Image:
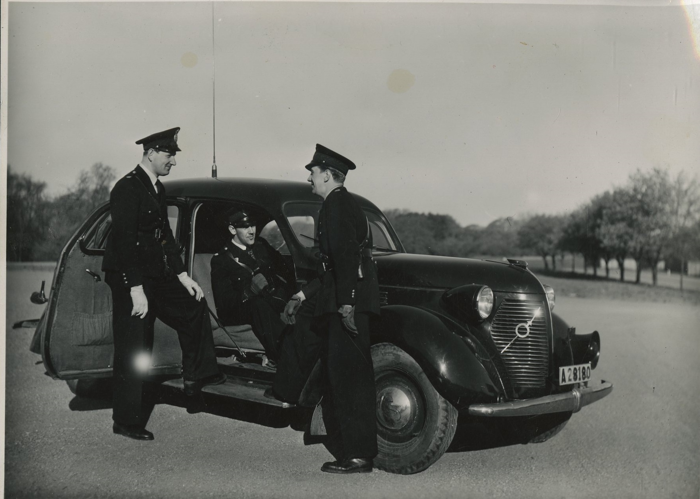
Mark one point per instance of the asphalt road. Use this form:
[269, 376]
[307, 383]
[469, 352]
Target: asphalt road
[641, 441]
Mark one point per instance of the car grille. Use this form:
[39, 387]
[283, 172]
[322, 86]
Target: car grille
[526, 359]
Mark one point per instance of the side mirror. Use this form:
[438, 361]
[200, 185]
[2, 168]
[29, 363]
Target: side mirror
[39, 297]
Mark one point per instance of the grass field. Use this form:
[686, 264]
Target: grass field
[578, 284]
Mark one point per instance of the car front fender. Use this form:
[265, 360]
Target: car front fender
[453, 363]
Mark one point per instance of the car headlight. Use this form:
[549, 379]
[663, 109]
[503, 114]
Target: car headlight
[484, 302]
[549, 291]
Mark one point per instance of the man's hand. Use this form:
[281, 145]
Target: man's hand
[348, 319]
[138, 298]
[259, 283]
[290, 310]
[191, 286]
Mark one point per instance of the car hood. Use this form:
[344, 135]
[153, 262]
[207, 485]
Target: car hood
[441, 272]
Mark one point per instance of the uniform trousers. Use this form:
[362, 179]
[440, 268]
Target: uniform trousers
[169, 301]
[349, 392]
[263, 314]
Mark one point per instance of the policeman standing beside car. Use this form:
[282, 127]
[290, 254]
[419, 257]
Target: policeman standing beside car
[347, 297]
[144, 270]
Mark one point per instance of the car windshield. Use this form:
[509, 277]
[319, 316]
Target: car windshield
[303, 217]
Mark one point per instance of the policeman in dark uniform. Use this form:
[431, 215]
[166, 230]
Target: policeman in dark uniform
[346, 297]
[148, 280]
[251, 283]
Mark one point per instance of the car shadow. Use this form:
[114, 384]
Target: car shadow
[82, 404]
[249, 412]
[157, 394]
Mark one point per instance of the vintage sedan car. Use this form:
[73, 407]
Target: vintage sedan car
[459, 340]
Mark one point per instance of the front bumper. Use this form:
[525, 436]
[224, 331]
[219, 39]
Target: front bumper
[562, 402]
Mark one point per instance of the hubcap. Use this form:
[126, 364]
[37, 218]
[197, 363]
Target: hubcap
[400, 407]
[395, 409]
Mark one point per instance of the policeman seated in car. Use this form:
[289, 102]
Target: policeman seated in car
[251, 283]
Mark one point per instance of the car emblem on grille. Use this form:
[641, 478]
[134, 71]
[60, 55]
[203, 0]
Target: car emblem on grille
[521, 326]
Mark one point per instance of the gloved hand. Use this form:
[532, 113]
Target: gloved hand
[290, 310]
[191, 286]
[258, 284]
[138, 298]
[348, 320]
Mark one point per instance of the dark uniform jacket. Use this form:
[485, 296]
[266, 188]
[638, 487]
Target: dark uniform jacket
[140, 243]
[342, 229]
[231, 279]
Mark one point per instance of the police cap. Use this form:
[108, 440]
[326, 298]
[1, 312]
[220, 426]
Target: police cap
[165, 141]
[330, 159]
[240, 220]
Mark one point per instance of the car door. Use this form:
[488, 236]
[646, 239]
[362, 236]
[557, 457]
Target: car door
[77, 339]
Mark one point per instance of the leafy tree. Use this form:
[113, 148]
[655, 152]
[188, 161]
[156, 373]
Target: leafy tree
[596, 211]
[541, 234]
[69, 210]
[26, 215]
[615, 231]
[684, 242]
[430, 234]
[652, 195]
[499, 238]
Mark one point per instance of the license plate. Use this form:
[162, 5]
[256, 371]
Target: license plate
[569, 375]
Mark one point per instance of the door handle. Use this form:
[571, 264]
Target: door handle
[94, 276]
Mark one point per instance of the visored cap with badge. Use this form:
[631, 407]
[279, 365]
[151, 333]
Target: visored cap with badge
[331, 159]
[165, 141]
[240, 219]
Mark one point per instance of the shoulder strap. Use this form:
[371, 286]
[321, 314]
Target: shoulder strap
[230, 255]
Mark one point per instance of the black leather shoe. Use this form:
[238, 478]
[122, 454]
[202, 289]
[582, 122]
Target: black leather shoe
[353, 465]
[131, 431]
[192, 387]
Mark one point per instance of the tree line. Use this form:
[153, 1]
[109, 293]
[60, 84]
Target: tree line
[39, 225]
[652, 217]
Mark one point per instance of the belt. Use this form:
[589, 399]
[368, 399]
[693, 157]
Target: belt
[156, 233]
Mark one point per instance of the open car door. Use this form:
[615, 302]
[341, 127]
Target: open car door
[76, 340]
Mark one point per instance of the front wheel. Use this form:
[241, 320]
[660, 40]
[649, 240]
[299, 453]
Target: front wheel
[415, 424]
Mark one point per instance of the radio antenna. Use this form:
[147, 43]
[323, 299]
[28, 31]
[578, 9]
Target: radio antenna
[213, 91]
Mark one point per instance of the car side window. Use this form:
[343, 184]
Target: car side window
[304, 228]
[174, 220]
[96, 238]
[271, 233]
[381, 238]
[302, 218]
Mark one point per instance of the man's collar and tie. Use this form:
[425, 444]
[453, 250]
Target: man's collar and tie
[153, 178]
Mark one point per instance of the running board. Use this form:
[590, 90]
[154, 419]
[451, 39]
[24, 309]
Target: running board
[237, 388]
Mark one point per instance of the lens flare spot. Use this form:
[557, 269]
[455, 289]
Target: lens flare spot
[692, 14]
[142, 362]
[400, 81]
[189, 60]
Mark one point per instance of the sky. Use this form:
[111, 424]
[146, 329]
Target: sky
[476, 110]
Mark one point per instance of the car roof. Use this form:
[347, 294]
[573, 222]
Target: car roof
[258, 191]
